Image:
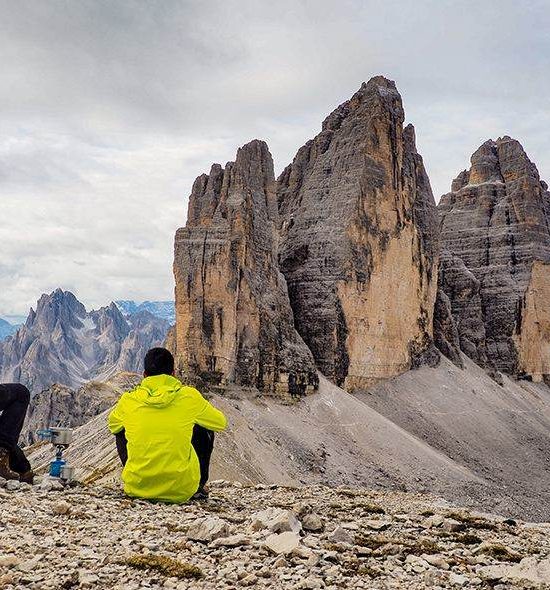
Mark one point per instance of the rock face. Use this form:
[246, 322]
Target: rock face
[359, 241]
[60, 406]
[234, 320]
[496, 220]
[62, 343]
[460, 288]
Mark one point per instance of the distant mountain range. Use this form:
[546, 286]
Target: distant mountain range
[161, 309]
[63, 343]
[6, 329]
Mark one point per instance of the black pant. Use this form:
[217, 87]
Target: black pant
[14, 401]
[202, 441]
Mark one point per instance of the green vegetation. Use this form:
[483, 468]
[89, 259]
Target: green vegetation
[467, 539]
[500, 552]
[473, 522]
[164, 565]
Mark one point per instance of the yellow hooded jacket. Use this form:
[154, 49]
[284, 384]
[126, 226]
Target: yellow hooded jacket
[158, 418]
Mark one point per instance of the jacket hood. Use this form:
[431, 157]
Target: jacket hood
[159, 390]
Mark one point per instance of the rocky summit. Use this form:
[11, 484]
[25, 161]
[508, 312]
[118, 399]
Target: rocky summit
[352, 226]
[261, 537]
[495, 223]
[358, 248]
[234, 320]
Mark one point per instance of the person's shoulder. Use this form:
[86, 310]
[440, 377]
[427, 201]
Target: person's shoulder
[129, 395]
[190, 391]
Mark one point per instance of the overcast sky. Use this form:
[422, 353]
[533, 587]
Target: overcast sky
[110, 109]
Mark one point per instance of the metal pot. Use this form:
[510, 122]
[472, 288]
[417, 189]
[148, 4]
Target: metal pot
[61, 436]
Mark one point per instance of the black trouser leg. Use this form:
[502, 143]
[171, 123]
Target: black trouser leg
[14, 401]
[122, 446]
[203, 443]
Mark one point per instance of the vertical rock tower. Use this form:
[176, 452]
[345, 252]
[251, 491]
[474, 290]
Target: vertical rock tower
[496, 220]
[359, 241]
[234, 320]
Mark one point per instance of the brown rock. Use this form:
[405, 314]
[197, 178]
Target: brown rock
[497, 221]
[359, 241]
[234, 320]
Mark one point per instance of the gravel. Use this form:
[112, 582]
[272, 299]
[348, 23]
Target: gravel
[95, 537]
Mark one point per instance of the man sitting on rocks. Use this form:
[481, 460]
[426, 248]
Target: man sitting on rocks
[14, 401]
[164, 434]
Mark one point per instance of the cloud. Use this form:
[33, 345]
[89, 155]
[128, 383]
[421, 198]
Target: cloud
[109, 109]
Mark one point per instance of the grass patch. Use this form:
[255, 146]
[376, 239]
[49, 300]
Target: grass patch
[174, 528]
[472, 522]
[500, 552]
[417, 547]
[164, 565]
[369, 507]
[422, 546]
[467, 539]
[373, 542]
[367, 570]
[355, 567]
[349, 493]
[427, 513]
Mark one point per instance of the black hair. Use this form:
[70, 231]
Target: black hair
[158, 361]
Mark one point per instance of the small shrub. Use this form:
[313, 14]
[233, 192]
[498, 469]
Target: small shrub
[164, 565]
[373, 541]
[473, 522]
[501, 553]
[368, 507]
[366, 570]
[422, 546]
[427, 513]
[467, 539]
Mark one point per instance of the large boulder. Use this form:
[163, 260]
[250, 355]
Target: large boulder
[359, 241]
[234, 322]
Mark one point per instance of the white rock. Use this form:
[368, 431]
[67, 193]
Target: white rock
[452, 525]
[458, 579]
[275, 520]
[12, 485]
[86, 579]
[530, 569]
[312, 522]
[231, 541]
[311, 583]
[436, 560]
[207, 529]
[378, 525]
[433, 521]
[282, 543]
[62, 507]
[340, 535]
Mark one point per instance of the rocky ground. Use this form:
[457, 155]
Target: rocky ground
[261, 537]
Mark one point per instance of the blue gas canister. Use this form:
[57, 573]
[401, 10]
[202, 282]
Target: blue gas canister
[55, 467]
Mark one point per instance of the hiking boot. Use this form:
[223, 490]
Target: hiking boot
[5, 470]
[27, 477]
[200, 495]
